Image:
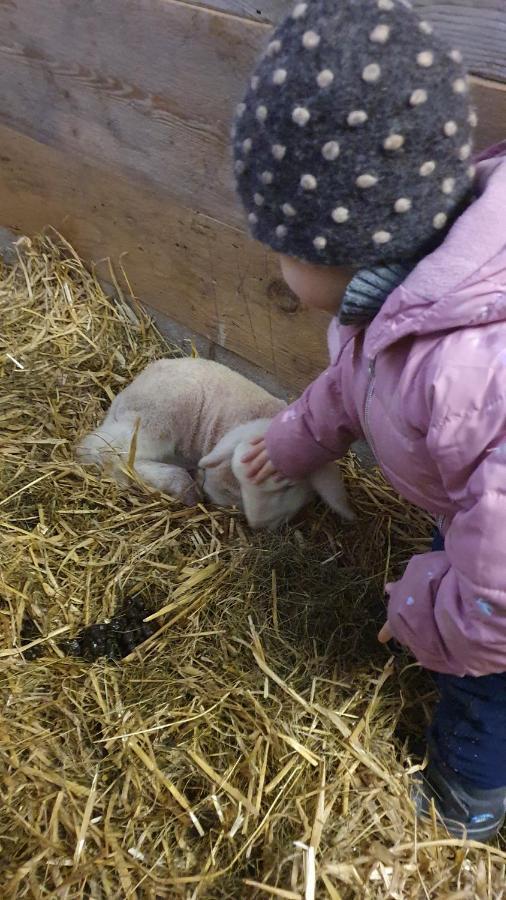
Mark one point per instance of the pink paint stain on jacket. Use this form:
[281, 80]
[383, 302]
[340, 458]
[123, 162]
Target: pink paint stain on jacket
[429, 375]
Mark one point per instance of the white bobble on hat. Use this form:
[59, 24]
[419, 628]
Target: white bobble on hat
[340, 214]
[330, 150]
[357, 117]
[308, 182]
[278, 151]
[273, 48]
[324, 78]
[418, 97]
[371, 73]
[448, 185]
[381, 237]
[380, 34]
[394, 142]
[450, 128]
[460, 86]
[425, 59]
[299, 10]
[440, 220]
[310, 40]
[366, 180]
[301, 115]
[279, 76]
[402, 205]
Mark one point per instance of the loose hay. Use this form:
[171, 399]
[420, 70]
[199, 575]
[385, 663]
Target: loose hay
[253, 746]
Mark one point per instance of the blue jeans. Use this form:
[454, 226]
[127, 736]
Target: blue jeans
[468, 730]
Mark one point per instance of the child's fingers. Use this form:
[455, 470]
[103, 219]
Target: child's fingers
[385, 634]
[265, 472]
[258, 463]
[257, 445]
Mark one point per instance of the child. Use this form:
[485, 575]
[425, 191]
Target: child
[352, 149]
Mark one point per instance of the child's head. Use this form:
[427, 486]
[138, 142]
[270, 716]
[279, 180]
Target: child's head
[353, 141]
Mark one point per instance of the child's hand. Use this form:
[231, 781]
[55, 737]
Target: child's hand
[385, 634]
[260, 468]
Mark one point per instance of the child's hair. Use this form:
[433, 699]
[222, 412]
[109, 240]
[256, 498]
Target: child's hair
[353, 143]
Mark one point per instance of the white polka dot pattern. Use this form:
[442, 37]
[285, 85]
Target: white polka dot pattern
[472, 118]
[310, 40]
[299, 11]
[448, 185]
[252, 219]
[261, 113]
[456, 55]
[330, 150]
[239, 167]
[308, 182]
[459, 86]
[425, 27]
[385, 5]
[450, 128]
[427, 168]
[394, 142]
[259, 199]
[281, 231]
[278, 151]
[371, 73]
[279, 76]
[381, 237]
[254, 82]
[320, 242]
[357, 117]
[247, 145]
[425, 59]
[273, 48]
[465, 152]
[380, 34]
[324, 78]
[240, 108]
[440, 220]
[402, 205]
[366, 180]
[266, 177]
[340, 215]
[301, 115]
[418, 97]
[288, 210]
[471, 172]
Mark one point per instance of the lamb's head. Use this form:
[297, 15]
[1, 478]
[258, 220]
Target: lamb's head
[272, 503]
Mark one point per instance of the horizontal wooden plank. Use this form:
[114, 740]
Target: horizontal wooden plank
[144, 86]
[207, 276]
[477, 27]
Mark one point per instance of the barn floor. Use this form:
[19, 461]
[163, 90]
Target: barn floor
[256, 745]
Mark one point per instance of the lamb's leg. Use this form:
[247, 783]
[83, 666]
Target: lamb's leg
[171, 480]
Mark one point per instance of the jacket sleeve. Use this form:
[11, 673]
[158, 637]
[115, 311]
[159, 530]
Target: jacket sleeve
[449, 608]
[317, 428]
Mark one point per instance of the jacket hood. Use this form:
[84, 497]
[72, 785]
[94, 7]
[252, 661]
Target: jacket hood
[463, 282]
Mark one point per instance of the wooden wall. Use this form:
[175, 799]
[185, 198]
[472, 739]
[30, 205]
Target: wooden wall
[114, 119]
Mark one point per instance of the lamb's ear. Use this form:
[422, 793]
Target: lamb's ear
[223, 450]
[328, 484]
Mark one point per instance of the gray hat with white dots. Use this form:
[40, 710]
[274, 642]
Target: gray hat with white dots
[353, 143]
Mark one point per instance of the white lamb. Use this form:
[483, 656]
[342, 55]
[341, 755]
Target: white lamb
[190, 421]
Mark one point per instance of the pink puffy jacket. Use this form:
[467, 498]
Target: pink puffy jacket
[426, 385]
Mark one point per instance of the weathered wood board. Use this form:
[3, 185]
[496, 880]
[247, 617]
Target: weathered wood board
[114, 120]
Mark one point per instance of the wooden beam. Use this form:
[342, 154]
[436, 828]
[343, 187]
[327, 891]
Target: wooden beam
[207, 276]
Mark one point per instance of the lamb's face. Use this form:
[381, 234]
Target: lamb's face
[221, 485]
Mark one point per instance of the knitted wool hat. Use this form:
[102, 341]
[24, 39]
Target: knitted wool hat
[353, 143]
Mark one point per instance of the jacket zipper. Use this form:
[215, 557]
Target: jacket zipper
[368, 400]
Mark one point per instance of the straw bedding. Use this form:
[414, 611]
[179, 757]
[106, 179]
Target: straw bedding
[258, 743]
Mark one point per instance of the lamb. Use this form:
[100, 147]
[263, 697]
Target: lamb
[189, 422]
